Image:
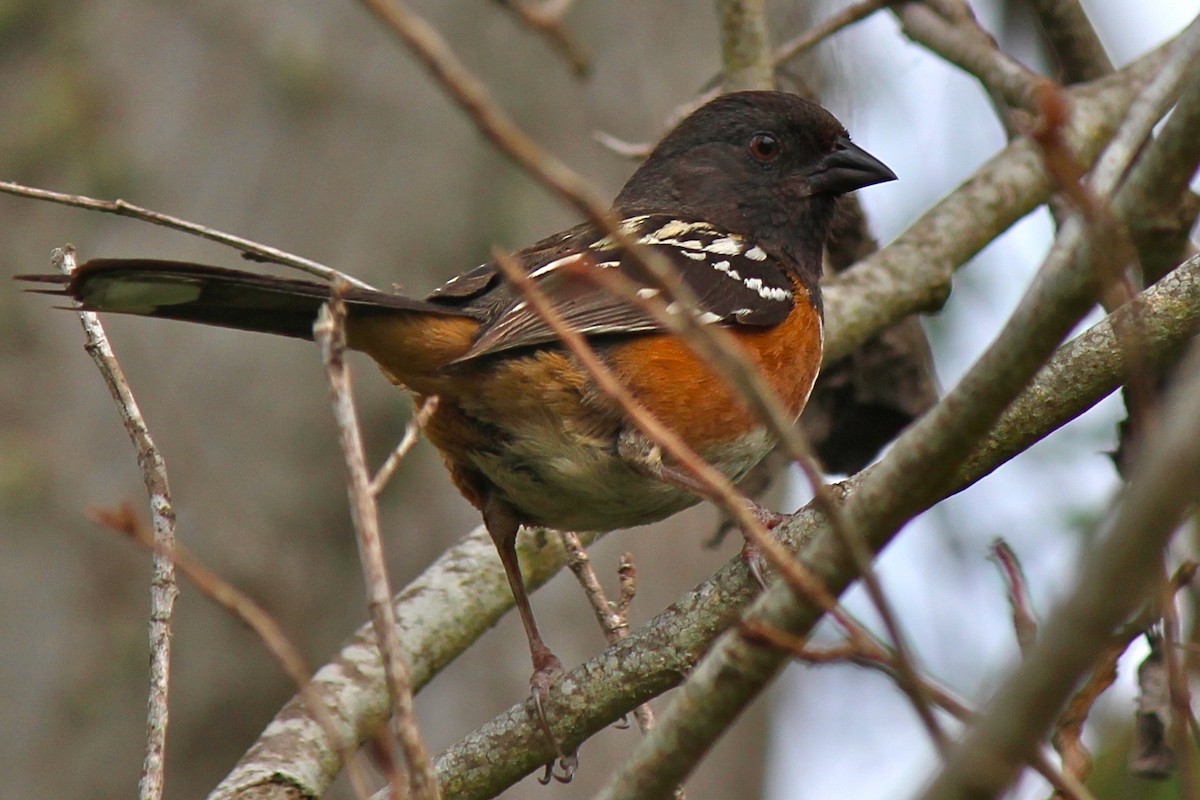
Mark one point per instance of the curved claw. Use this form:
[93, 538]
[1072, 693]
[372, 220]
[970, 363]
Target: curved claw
[568, 764]
[548, 670]
[756, 563]
[750, 553]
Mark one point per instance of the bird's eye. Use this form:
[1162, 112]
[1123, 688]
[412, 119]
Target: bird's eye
[764, 147]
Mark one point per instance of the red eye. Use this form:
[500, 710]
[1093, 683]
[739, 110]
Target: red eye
[764, 147]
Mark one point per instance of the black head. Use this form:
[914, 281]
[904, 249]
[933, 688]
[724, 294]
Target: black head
[767, 165]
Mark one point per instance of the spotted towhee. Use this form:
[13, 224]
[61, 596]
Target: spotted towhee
[738, 197]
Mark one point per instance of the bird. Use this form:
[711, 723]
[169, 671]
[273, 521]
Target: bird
[738, 198]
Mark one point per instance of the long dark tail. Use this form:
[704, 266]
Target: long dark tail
[216, 296]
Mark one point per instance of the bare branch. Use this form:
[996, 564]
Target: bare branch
[164, 588]
[1163, 485]
[242, 608]
[412, 431]
[259, 252]
[1073, 39]
[960, 40]
[657, 655]
[1024, 619]
[923, 461]
[329, 333]
[1179, 694]
[545, 17]
[613, 617]
[439, 615]
[745, 49]
[819, 33]
[913, 272]
[1169, 314]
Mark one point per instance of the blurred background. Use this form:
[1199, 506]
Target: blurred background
[305, 126]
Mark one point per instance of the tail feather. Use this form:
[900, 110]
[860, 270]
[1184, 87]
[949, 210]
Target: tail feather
[216, 296]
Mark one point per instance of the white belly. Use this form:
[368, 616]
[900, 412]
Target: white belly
[580, 485]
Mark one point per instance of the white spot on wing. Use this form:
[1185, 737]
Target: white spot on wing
[724, 266]
[673, 229]
[725, 246]
[708, 317]
[647, 293]
[756, 253]
[766, 292]
[696, 256]
[553, 265]
[628, 226]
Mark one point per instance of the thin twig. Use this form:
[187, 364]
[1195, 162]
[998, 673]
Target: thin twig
[1067, 736]
[1024, 619]
[921, 463]
[716, 485]
[1162, 488]
[1085, 370]
[259, 251]
[241, 607]
[613, 617]
[718, 350]
[412, 432]
[801, 44]
[1183, 720]
[819, 33]
[329, 332]
[545, 18]
[864, 650]
[639, 150]
[164, 588]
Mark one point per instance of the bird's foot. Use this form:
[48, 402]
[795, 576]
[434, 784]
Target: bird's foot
[755, 561]
[546, 670]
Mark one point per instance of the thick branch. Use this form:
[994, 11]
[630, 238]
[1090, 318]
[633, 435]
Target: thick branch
[1164, 485]
[656, 656]
[913, 273]
[960, 40]
[913, 474]
[745, 50]
[465, 591]
[438, 616]
[1073, 39]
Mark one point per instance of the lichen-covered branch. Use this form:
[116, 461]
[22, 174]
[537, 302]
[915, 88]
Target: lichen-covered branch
[656, 656]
